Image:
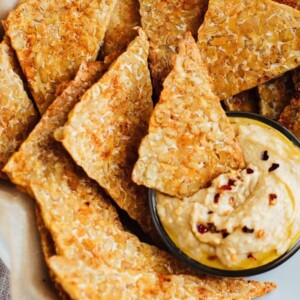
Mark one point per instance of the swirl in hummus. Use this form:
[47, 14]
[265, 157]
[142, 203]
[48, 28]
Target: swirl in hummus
[245, 218]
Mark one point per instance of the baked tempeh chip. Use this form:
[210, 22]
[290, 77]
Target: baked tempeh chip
[165, 23]
[83, 224]
[275, 95]
[53, 37]
[17, 113]
[34, 160]
[290, 117]
[244, 101]
[190, 140]
[246, 43]
[105, 129]
[120, 31]
[85, 282]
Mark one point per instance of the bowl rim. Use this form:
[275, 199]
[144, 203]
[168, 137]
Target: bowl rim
[178, 253]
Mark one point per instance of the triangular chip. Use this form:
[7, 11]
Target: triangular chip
[82, 222]
[165, 23]
[87, 282]
[104, 130]
[84, 225]
[120, 31]
[53, 37]
[17, 113]
[248, 42]
[190, 140]
[34, 158]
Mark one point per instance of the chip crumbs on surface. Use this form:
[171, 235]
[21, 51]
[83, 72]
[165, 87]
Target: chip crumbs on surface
[165, 23]
[105, 128]
[53, 37]
[190, 140]
[246, 43]
[17, 113]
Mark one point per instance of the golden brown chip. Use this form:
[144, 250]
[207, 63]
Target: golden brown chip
[22, 170]
[85, 282]
[44, 168]
[275, 95]
[244, 101]
[53, 37]
[165, 23]
[106, 251]
[248, 42]
[290, 117]
[83, 224]
[120, 31]
[190, 140]
[17, 113]
[105, 129]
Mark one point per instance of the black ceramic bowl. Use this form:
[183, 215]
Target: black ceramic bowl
[223, 272]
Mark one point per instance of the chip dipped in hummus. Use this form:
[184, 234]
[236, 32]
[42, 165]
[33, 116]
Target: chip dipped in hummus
[245, 218]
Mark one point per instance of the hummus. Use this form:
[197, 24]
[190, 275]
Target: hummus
[245, 218]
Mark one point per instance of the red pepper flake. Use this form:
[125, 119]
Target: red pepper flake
[231, 182]
[251, 256]
[249, 171]
[210, 212]
[201, 228]
[212, 228]
[272, 199]
[225, 187]
[225, 233]
[87, 203]
[212, 257]
[273, 167]
[247, 230]
[265, 155]
[216, 198]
